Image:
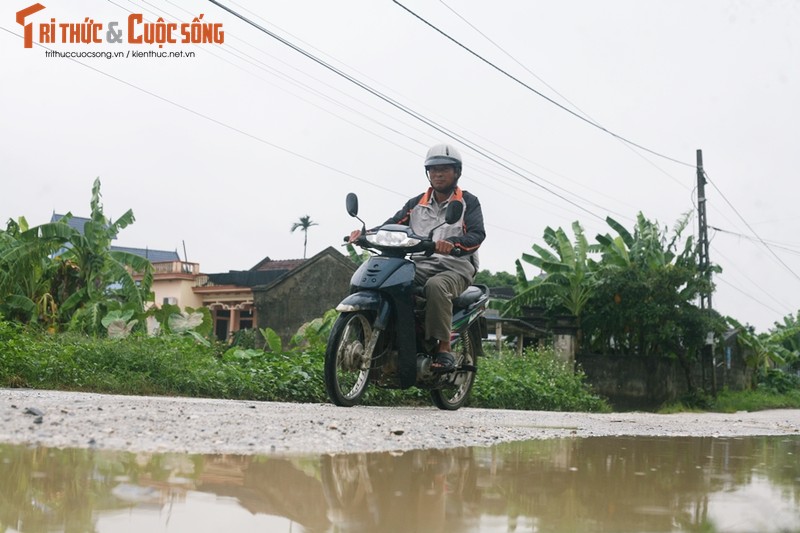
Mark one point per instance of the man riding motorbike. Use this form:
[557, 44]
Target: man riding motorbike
[445, 274]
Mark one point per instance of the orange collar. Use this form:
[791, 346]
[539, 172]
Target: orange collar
[457, 194]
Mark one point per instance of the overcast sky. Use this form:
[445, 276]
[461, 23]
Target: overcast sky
[223, 151]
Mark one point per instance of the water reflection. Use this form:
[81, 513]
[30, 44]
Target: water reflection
[596, 484]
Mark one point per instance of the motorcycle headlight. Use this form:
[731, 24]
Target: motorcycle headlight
[399, 239]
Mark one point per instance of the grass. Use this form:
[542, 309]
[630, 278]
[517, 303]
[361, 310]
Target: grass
[179, 366]
[728, 401]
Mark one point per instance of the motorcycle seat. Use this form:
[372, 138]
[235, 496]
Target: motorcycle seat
[468, 297]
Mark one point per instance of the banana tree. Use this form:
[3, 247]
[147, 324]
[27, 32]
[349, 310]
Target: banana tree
[55, 268]
[647, 284]
[26, 274]
[647, 247]
[791, 340]
[568, 274]
[766, 350]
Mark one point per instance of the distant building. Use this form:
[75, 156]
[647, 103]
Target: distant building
[155, 256]
[281, 294]
[305, 292]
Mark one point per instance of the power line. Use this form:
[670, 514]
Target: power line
[529, 71]
[520, 82]
[782, 246]
[449, 133]
[242, 132]
[260, 65]
[750, 296]
[218, 122]
[264, 67]
[757, 236]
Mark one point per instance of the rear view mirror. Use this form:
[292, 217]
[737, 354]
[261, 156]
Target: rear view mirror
[352, 204]
[454, 211]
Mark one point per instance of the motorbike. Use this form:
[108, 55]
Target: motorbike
[418, 490]
[378, 337]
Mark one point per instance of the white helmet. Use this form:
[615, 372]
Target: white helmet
[443, 154]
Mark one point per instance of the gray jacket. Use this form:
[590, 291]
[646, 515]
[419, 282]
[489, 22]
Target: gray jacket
[422, 213]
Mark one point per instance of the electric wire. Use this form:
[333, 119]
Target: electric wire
[449, 133]
[259, 64]
[264, 67]
[781, 246]
[246, 134]
[751, 297]
[748, 278]
[757, 236]
[297, 83]
[543, 82]
[219, 122]
[538, 93]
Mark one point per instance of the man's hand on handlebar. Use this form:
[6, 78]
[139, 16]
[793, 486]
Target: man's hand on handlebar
[443, 247]
[354, 235]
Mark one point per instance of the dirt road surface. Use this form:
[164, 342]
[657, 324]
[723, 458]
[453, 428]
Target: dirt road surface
[192, 425]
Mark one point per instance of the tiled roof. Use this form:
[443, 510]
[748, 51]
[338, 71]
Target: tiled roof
[278, 264]
[155, 256]
[504, 293]
[74, 222]
[246, 278]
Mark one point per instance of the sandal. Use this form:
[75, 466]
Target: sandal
[443, 362]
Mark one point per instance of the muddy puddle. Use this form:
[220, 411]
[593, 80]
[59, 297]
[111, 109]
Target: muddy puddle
[593, 484]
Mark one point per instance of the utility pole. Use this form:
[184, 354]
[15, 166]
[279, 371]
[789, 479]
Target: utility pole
[704, 263]
[705, 297]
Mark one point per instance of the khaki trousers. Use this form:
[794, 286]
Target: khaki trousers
[440, 290]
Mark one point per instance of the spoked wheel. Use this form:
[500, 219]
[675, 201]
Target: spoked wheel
[456, 395]
[346, 359]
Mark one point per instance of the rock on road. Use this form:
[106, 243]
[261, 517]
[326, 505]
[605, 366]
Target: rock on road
[194, 425]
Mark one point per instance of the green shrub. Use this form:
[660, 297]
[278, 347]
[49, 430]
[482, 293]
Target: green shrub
[777, 381]
[180, 366]
[533, 381]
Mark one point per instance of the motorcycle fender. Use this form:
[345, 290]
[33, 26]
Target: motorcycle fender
[360, 301]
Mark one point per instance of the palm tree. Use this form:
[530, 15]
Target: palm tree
[304, 223]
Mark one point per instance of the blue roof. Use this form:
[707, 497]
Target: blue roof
[74, 222]
[155, 256]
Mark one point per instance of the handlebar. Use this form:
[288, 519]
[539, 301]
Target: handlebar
[429, 247]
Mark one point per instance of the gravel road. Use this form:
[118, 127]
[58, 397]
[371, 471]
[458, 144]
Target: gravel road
[191, 425]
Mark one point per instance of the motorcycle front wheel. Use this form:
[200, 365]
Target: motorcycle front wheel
[346, 361]
[456, 395]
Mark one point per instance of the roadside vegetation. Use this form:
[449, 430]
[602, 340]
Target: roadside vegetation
[178, 365]
[636, 293]
[73, 315]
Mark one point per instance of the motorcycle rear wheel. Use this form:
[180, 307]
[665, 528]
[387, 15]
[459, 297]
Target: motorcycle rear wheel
[453, 398]
[346, 364]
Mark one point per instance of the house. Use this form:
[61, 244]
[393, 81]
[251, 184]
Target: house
[155, 256]
[229, 295]
[306, 292]
[281, 294]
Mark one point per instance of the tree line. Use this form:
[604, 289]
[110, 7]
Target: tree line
[629, 292]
